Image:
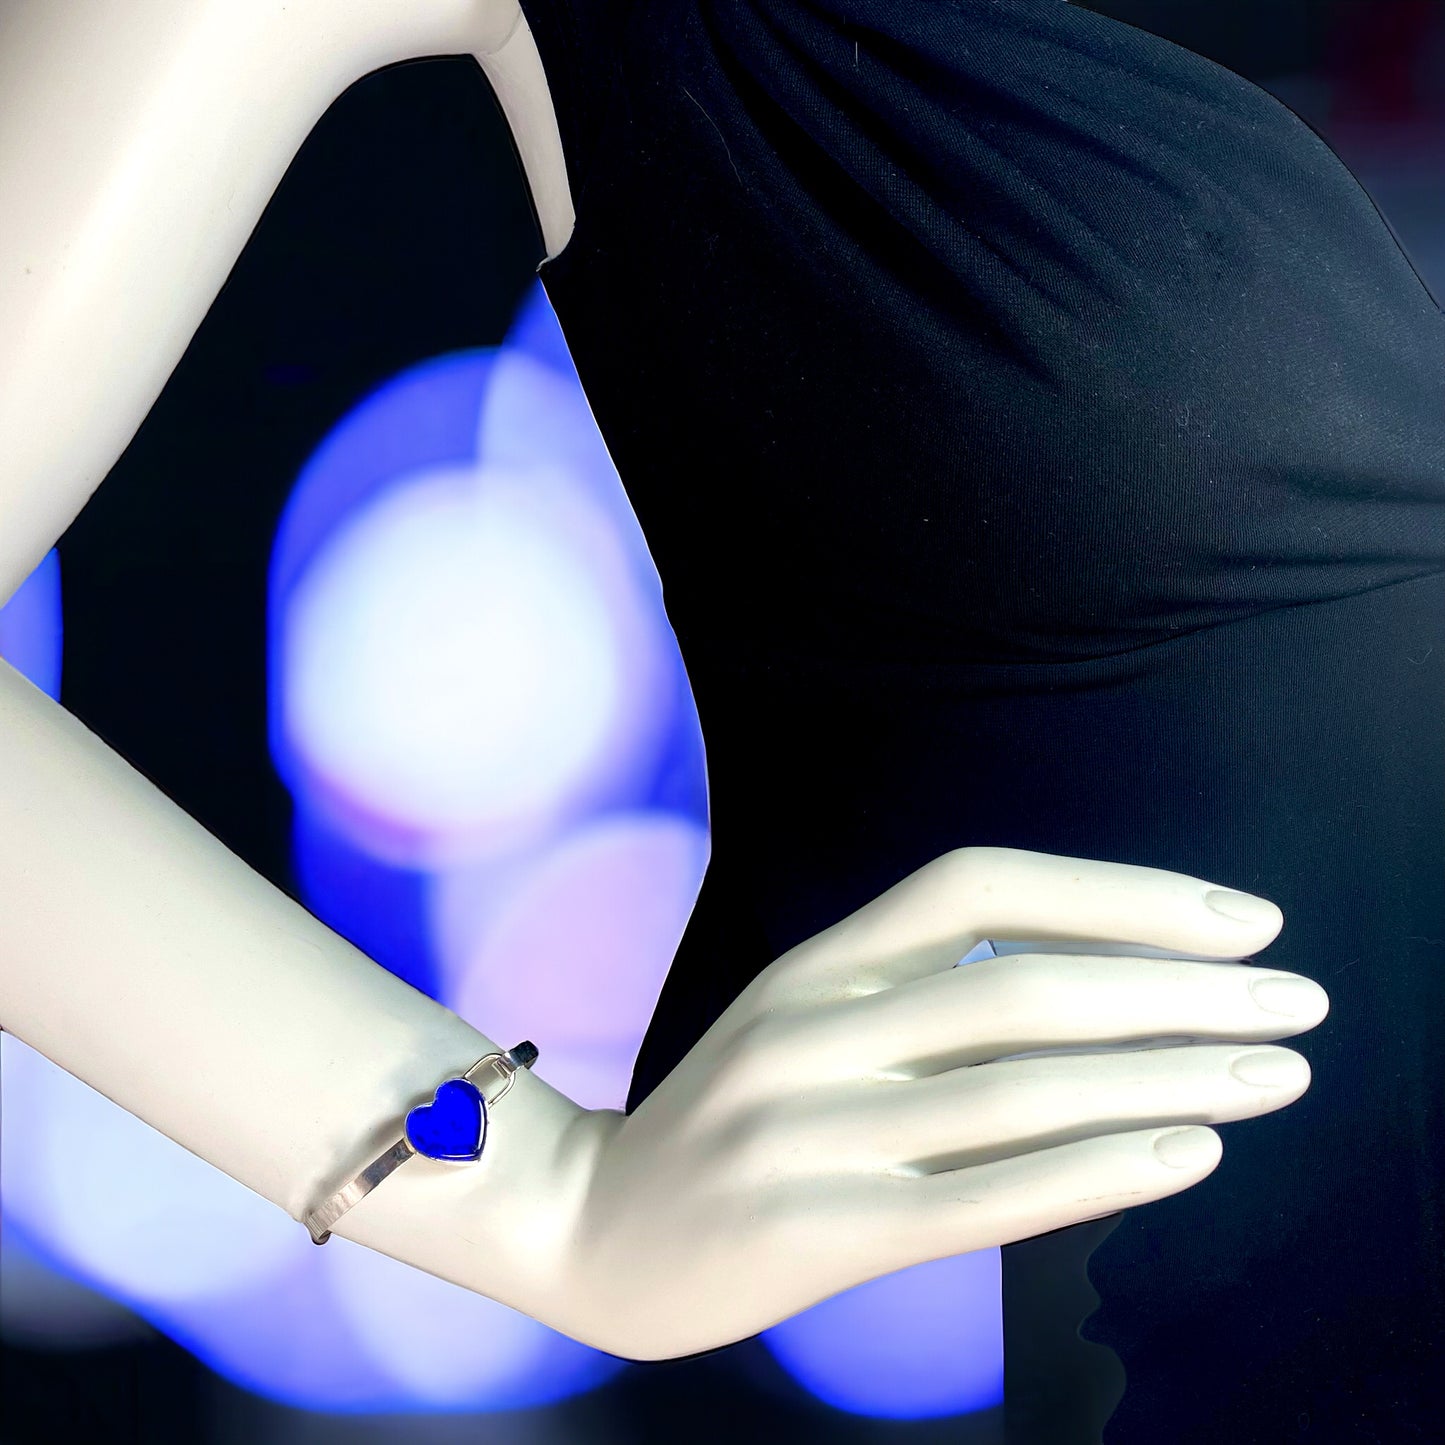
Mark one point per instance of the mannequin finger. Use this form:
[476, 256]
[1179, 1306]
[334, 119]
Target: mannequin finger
[936, 915]
[996, 1111]
[903, 1220]
[1020, 1003]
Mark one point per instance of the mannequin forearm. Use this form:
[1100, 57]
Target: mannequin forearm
[139, 145]
[142, 956]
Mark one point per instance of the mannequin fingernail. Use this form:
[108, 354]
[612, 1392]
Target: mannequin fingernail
[1243, 907]
[1292, 997]
[1271, 1068]
[1185, 1148]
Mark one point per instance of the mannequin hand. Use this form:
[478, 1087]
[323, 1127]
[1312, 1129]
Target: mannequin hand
[856, 1110]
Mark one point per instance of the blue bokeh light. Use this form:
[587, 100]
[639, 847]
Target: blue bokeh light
[426, 688]
[922, 1342]
[596, 868]
[31, 626]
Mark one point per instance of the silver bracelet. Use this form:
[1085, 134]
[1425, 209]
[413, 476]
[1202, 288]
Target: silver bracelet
[453, 1127]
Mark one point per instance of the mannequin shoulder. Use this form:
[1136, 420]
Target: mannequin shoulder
[140, 39]
[77, 70]
[140, 142]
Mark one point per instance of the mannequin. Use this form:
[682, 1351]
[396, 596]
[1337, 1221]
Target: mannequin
[860, 1107]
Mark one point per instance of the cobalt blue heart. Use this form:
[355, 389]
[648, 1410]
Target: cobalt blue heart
[453, 1125]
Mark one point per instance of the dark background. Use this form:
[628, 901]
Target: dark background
[401, 231]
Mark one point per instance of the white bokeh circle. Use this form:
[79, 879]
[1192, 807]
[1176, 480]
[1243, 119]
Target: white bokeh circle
[468, 660]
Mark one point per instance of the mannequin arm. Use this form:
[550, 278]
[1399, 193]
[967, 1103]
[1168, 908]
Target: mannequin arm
[142, 956]
[139, 144]
[861, 1107]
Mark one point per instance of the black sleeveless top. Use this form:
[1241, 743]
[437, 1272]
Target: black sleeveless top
[1041, 441]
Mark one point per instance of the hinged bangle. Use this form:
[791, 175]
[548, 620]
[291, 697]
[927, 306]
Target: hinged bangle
[452, 1127]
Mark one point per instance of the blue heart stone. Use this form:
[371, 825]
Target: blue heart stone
[453, 1125]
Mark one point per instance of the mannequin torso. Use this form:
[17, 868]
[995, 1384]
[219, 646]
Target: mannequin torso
[138, 147]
